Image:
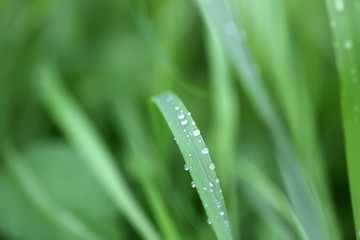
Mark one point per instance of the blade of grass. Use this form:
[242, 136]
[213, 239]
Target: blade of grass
[198, 161]
[226, 122]
[32, 188]
[81, 133]
[290, 84]
[259, 182]
[344, 20]
[301, 191]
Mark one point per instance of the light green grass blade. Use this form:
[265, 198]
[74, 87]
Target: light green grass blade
[198, 161]
[301, 191]
[264, 186]
[226, 123]
[85, 139]
[344, 20]
[42, 201]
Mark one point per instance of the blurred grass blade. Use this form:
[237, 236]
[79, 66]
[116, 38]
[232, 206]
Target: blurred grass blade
[226, 123]
[345, 19]
[302, 191]
[249, 174]
[198, 161]
[42, 201]
[85, 139]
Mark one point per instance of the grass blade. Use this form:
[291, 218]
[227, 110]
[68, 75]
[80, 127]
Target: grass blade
[40, 198]
[198, 161]
[85, 139]
[301, 190]
[344, 19]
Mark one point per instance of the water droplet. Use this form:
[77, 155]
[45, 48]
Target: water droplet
[175, 138]
[184, 130]
[177, 108]
[184, 122]
[196, 132]
[193, 184]
[205, 150]
[189, 113]
[211, 184]
[212, 166]
[189, 154]
[339, 5]
[199, 140]
[209, 222]
[231, 29]
[181, 116]
[348, 44]
[217, 180]
[211, 190]
[205, 205]
[193, 123]
[204, 188]
[222, 213]
[186, 167]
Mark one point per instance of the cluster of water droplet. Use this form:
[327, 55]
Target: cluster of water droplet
[195, 132]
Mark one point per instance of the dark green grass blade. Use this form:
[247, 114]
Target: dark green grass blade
[81, 133]
[345, 20]
[198, 161]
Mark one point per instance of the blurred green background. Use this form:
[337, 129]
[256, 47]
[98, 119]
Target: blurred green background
[109, 58]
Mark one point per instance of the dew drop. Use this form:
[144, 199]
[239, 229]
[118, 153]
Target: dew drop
[348, 44]
[339, 5]
[175, 138]
[186, 167]
[184, 130]
[217, 180]
[209, 222]
[189, 113]
[205, 205]
[193, 184]
[184, 122]
[196, 132]
[181, 116]
[177, 108]
[211, 190]
[212, 166]
[211, 184]
[222, 213]
[199, 140]
[189, 154]
[205, 150]
[204, 188]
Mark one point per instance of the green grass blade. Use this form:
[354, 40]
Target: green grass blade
[85, 139]
[198, 161]
[259, 182]
[301, 190]
[344, 20]
[42, 201]
[226, 123]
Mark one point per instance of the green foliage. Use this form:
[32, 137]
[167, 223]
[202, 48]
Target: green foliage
[344, 18]
[198, 161]
[85, 155]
